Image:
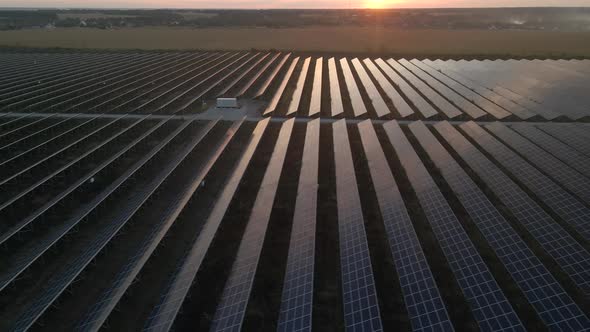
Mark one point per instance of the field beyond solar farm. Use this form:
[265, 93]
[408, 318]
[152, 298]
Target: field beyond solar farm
[344, 40]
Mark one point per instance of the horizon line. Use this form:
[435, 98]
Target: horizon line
[284, 8]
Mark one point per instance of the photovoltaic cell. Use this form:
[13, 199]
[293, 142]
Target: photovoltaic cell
[231, 309]
[335, 96]
[398, 101]
[426, 309]
[564, 204]
[359, 296]
[554, 306]
[544, 161]
[296, 98]
[358, 105]
[378, 103]
[566, 154]
[444, 105]
[488, 303]
[571, 257]
[297, 298]
[164, 314]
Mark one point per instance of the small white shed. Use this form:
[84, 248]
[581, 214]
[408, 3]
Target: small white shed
[227, 103]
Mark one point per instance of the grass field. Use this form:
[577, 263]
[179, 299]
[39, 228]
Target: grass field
[320, 39]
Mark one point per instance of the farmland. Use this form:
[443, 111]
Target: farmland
[380, 192]
[345, 40]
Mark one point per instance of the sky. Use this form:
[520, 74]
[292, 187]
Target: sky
[262, 4]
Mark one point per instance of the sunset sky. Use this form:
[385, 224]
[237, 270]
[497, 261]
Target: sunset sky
[287, 3]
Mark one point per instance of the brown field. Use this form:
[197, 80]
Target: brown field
[320, 39]
[88, 16]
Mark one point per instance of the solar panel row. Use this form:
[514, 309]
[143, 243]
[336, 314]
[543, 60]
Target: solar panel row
[297, 296]
[425, 306]
[231, 309]
[554, 239]
[164, 82]
[359, 296]
[100, 311]
[426, 309]
[565, 205]
[39, 303]
[555, 308]
[490, 307]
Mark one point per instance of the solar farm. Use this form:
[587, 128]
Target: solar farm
[344, 193]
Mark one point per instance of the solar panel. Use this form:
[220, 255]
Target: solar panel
[74, 83]
[378, 103]
[554, 306]
[564, 204]
[243, 74]
[13, 180]
[231, 309]
[19, 128]
[570, 156]
[45, 142]
[63, 278]
[422, 105]
[444, 105]
[315, 104]
[148, 77]
[359, 296]
[55, 126]
[462, 103]
[113, 85]
[173, 87]
[165, 311]
[272, 76]
[255, 78]
[476, 281]
[398, 101]
[358, 105]
[297, 296]
[558, 170]
[149, 88]
[486, 105]
[572, 258]
[296, 97]
[17, 226]
[425, 306]
[335, 97]
[279, 93]
[184, 100]
[566, 135]
[72, 90]
[104, 70]
[192, 99]
[491, 95]
[102, 308]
